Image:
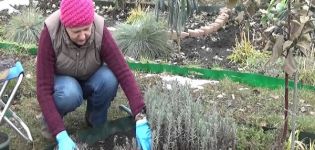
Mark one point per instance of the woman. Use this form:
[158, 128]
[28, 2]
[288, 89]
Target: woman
[78, 59]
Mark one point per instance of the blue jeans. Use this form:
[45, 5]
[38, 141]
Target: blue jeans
[99, 90]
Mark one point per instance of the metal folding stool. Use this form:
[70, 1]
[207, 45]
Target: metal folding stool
[14, 121]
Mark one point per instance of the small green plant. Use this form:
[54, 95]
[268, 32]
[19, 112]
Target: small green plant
[254, 138]
[256, 63]
[25, 27]
[274, 12]
[180, 122]
[245, 50]
[143, 39]
[135, 15]
[299, 145]
[307, 69]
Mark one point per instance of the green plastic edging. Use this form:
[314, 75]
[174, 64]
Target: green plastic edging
[7, 45]
[251, 79]
[255, 80]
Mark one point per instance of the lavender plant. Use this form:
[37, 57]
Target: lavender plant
[180, 122]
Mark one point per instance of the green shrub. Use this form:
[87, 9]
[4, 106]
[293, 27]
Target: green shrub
[245, 50]
[25, 27]
[180, 122]
[299, 144]
[143, 39]
[254, 138]
[307, 69]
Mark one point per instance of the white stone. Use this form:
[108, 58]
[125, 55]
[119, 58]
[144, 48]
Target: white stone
[8, 4]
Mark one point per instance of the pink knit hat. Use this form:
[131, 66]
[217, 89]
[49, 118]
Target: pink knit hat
[76, 13]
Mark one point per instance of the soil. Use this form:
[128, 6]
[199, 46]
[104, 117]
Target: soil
[6, 63]
[3, 137]
[119, 139]
[211, 50]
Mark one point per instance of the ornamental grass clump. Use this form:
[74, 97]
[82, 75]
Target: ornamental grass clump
[144, 38]
[244, 50]
[25, 27]
[180, 122]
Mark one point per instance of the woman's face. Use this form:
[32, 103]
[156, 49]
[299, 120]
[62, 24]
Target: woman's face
[79, 35]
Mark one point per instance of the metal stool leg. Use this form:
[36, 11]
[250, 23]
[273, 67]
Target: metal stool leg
[6, 113]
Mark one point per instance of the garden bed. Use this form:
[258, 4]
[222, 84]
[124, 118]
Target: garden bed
[252, 109]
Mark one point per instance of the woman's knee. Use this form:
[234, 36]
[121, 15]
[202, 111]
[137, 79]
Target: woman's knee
[67, 94]
[105, 80]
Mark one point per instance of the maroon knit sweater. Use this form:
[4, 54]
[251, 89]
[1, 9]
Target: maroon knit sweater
[45, 71]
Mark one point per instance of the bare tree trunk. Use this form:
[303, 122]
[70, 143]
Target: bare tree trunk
[286, 96]
[294, 110]
[286, 107]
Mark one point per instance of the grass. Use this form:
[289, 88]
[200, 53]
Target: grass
[145, 38]
[251, 108]
[25, 28]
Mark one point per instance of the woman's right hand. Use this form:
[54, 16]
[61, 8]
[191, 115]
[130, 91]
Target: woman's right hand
[65, 142]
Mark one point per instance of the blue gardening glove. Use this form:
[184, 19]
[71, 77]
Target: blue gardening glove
[65, 142]
[143, 134]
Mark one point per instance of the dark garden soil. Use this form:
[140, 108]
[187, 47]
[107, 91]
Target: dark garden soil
[119, 139]
[211, 50]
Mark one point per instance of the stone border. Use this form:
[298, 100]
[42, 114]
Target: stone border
[219, 22]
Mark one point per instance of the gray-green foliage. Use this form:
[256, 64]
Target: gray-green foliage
[180, 122]
[143, 39]
[1, 31]
[25, 27]
[178, 11]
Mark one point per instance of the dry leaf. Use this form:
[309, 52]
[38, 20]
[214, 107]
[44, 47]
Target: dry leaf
[277, 49]
[287, 45]
[304, 44]
[270, 29]
[268, 45]
[231, 3]
[290, 64]
[296, 29]
[304, 19]
[308, 27]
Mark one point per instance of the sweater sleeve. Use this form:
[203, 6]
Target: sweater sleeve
[45, 72]
[112, 56]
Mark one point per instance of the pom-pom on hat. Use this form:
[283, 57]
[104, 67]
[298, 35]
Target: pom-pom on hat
[76, 13]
